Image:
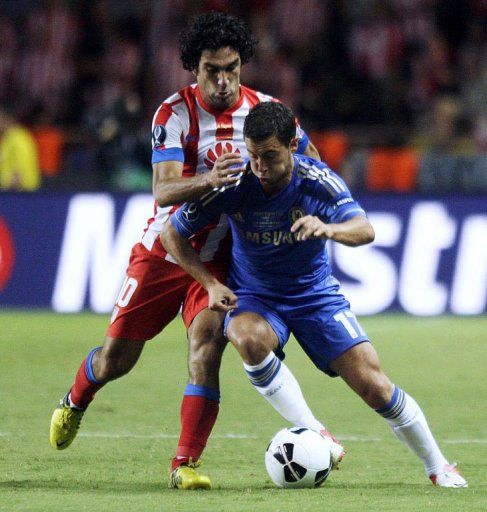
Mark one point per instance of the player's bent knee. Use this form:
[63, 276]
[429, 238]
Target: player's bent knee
[253, 339]
[252, 349]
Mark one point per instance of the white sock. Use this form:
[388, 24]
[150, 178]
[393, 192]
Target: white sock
[410, 426]
[275, 382]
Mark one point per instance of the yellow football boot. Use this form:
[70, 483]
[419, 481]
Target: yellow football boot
[65, 422]
[186, 477]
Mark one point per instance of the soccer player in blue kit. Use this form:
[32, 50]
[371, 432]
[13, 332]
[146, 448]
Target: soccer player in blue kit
[281, 212]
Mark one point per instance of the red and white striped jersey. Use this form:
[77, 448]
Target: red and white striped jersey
[188, 130]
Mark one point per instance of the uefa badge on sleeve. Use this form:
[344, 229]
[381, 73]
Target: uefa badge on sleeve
[191, 212]
[159, 134]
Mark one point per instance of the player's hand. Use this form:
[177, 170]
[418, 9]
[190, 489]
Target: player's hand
[221, 298]
[226, 170]
[311, 228]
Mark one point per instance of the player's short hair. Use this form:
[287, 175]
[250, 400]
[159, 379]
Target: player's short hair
[212, 31]
[270, 118]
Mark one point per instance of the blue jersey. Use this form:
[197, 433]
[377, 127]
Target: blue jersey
[267, 259]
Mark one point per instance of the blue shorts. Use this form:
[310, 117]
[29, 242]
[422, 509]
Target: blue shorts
[324, 329]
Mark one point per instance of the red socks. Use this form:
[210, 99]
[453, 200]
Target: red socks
[198, 415]
[199, 410]
[85, 384]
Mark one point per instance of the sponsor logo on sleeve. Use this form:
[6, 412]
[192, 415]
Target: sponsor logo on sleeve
[345, 200]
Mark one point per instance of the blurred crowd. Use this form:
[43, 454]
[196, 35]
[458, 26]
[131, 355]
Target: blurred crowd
[392, 92]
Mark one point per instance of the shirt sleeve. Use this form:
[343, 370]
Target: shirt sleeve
[167, 135]
[190, 218]
[337, 203]
[344, 209]
[303, 139]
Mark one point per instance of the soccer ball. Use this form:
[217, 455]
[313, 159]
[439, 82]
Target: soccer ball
[298, 457]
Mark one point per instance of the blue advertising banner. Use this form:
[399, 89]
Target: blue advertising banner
[69, 253]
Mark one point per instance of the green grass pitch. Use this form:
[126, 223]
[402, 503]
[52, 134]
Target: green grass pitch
[120, 459]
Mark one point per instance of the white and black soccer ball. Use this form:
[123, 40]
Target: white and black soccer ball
[298, 457]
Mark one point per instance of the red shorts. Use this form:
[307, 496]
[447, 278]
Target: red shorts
[152, 294]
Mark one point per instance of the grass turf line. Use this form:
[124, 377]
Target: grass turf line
[440, 361]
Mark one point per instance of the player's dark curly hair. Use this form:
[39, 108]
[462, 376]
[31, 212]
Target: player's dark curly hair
[211, 31]
[270, 118]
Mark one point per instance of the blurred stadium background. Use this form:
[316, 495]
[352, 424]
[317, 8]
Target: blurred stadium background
[393, 93]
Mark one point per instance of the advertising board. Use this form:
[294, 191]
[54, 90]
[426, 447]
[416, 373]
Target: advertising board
[69, 253]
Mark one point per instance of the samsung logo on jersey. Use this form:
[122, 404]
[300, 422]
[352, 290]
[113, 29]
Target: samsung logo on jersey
[271, 237]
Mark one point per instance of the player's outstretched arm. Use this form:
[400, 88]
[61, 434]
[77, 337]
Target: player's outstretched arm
[353, 232]
[169, 187]
[220, 297]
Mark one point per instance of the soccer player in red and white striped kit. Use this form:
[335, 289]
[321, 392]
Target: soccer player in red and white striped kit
[195, 136]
